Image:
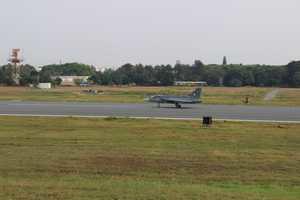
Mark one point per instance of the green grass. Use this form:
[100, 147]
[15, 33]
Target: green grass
[288, 96]
[236, 96]
[212, 95]
[72, 158]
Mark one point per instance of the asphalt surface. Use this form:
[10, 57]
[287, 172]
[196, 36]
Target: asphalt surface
[150, 110]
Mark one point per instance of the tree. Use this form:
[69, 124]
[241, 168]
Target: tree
[1, 75]
[56, 82]
[68, 69]
[235, 83]
[275, 76]
[224, 60]
[292, 69]
[247, 77]
[7, 75]
[296, 79]
[213, 75]
[183, 72]
[164, 75]
[138, 75]
[28, 75]
[197, 71]
[238, 75]
[124, 75]
[260, 76]
[45, 77]
[96, 78]
[149, 75]
[108, 77]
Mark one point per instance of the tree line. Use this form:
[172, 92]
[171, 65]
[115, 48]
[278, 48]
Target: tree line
[163, 75]
[214, 75]
[30, 75]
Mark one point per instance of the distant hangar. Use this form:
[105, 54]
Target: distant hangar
[190, 83]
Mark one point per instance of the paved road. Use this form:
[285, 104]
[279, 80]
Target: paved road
[149, 110]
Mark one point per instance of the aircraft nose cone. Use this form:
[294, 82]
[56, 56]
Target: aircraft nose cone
[153, 99]
[147, 98]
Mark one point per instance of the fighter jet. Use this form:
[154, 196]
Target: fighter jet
[193, 98]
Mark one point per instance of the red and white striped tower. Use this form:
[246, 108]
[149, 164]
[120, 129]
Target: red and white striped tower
[15, 60]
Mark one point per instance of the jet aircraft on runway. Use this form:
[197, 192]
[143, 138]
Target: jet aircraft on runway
[192, 98]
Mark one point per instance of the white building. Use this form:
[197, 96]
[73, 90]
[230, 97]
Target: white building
[71, 80]
[191, 83]
[44, 86]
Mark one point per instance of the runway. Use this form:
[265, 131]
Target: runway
[221, 112]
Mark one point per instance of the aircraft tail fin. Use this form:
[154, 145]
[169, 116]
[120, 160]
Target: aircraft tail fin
[197, 93]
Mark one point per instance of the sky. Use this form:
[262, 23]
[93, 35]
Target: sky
[109, 33]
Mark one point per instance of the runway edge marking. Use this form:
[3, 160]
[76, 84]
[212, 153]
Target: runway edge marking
[156, 118]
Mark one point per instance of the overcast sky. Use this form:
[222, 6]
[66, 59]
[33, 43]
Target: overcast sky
[108, 33]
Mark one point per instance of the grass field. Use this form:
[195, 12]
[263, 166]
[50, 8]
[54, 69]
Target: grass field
[212, 95]
[71, 158]
[288, 96]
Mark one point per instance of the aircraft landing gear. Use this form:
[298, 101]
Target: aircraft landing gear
[178, 105]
